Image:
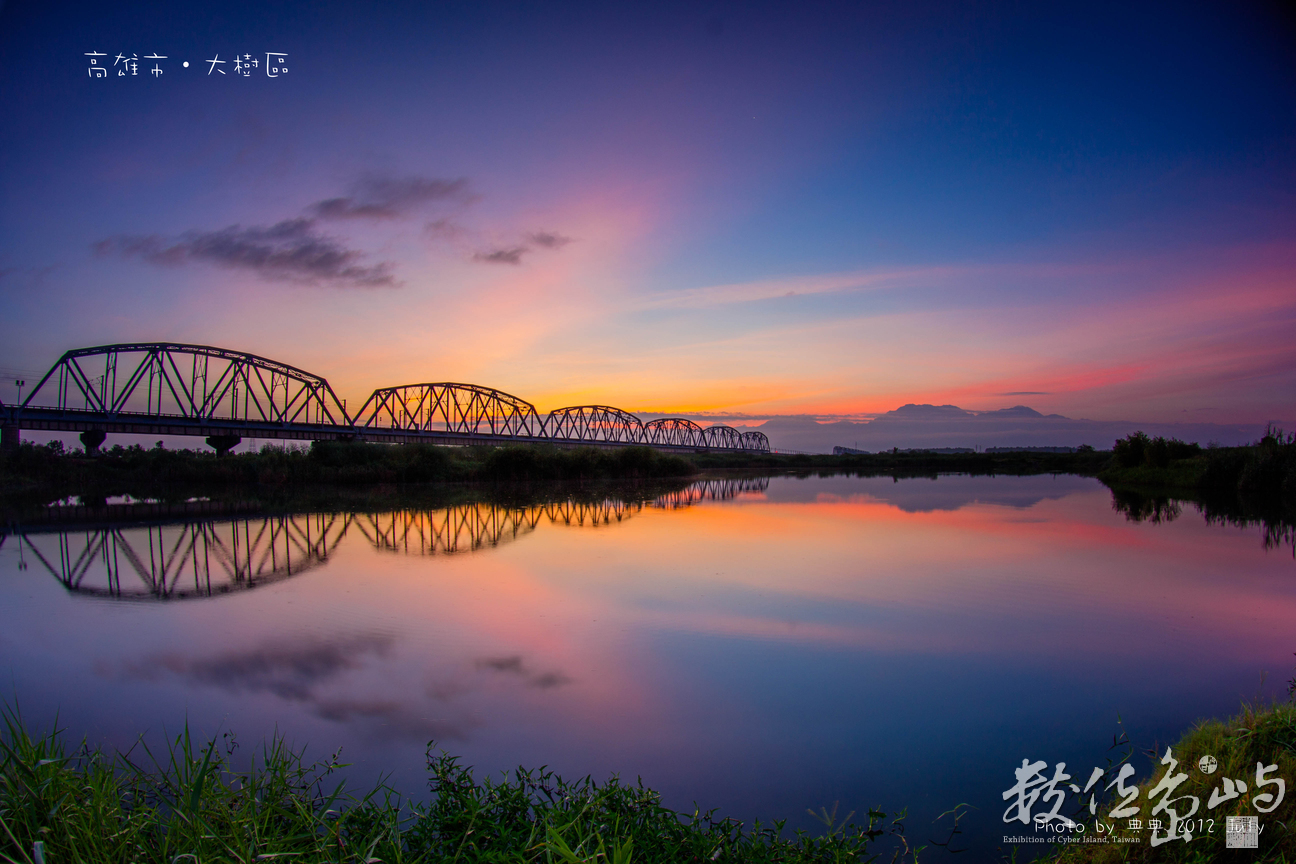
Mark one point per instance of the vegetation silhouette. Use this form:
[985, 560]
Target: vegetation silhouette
[1251, 486]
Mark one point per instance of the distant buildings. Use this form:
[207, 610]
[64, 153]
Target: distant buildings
[851, 451]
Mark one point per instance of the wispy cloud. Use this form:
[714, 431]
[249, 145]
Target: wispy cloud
[293, 250]
[296, 250]
[379, 197]
[792, 286]
[444, 229]
[862, 280]
[548, 239]
[507, 255]
[513, 254]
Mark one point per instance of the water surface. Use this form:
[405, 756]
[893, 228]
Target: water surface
[760, 647]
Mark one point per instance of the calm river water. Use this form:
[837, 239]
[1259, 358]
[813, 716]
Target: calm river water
[759, 647]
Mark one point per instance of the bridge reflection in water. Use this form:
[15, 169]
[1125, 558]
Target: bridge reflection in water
[211, 558]
[195, 559]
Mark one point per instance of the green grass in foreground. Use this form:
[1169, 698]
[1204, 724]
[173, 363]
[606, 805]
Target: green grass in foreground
[193, 804]
[1267, 736]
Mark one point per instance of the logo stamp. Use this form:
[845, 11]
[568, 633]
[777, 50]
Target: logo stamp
[1242, 832]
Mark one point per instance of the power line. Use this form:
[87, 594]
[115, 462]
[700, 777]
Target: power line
[29, 374]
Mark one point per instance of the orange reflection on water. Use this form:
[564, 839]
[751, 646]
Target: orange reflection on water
[860, 571]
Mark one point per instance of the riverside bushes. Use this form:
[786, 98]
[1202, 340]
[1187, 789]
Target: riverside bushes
[1138, 449]
[1270, 469]
[550, 463]
[1263, 473]
[160, 473]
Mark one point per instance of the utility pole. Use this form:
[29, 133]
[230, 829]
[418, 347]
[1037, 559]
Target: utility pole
[10, 437]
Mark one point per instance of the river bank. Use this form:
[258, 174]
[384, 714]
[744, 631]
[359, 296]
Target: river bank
[1255, 485]
[203, 800]
[1150, 479]
[43, 474]
[49, 473]
[1265, 470]
[1254, 740]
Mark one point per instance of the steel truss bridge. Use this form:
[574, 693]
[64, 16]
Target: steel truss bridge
[164, 388]
[183, 560]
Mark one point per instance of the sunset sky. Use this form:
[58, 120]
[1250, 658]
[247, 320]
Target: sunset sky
[745, 209]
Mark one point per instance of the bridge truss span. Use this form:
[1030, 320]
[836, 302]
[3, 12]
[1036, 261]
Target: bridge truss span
[721, 438]
[464, 409]
[597, 423]
[175, 381]
[673, 432]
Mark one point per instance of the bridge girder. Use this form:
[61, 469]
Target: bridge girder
[673, 431]
[193, 382]
[721, 437]
[448, 407]
[756, 441]
[595, 423]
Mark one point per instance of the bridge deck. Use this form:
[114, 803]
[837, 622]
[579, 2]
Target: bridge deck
[130, 423]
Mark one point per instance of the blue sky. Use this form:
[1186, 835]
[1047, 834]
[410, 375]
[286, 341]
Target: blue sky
[829, 209]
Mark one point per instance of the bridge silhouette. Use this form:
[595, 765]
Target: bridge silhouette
[194, 558]
[165, 388]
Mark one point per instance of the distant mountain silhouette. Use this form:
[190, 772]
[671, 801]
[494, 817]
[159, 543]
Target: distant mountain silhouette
[951, 426]
[1017, 411]
[924, 412]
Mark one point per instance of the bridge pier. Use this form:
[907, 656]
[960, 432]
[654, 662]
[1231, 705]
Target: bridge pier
[223, 444]
[91, 439]
[10, 438]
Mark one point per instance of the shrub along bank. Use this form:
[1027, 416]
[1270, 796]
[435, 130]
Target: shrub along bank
[50, 472]
[34, 475]
[1264, 472]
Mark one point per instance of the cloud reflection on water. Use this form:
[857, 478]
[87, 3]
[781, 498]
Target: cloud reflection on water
[289, 670]
[514, 665]
[304, 671]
